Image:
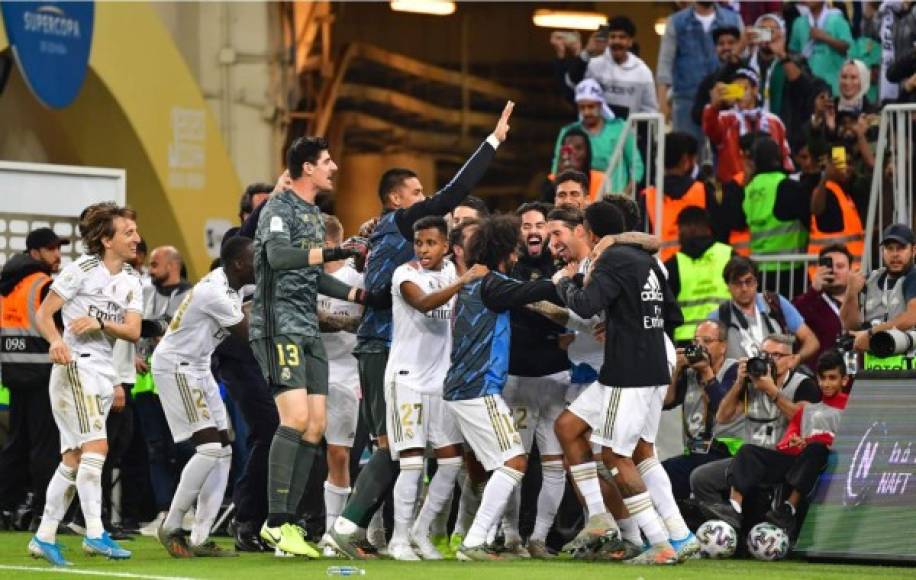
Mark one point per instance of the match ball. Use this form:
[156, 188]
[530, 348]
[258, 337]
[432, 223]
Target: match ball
[768, 542]
[717, 539]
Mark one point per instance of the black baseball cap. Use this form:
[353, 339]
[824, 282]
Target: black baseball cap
[44, 238]
[898, 233]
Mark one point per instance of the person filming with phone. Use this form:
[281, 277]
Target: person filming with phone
[820, 305]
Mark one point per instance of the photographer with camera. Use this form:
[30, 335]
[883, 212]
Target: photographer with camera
[886, 299]
[765, 395]
[751, 315]
[700, 379]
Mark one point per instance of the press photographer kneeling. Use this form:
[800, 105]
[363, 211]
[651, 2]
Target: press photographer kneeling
[700, 379]
[885, 301]
[757, 409]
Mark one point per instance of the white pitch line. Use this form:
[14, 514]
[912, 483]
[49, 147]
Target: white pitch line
[57, 570]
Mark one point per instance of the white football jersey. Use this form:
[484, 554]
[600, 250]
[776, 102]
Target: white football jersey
[584, 347]
[89, 289]
[421, 343]
[342, 370]
[200, 324]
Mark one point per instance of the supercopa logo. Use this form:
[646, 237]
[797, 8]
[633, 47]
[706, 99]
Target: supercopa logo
[51, 20]
[860, 480]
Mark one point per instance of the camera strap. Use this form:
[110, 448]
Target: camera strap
[831, 303]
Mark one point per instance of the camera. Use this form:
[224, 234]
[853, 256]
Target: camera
[760, 365]
[695, 353]
[892, 342]
[845, 342]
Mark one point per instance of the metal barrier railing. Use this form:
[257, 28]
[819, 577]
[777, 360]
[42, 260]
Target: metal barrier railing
[787, 274]
[891, 197]
[651, 150]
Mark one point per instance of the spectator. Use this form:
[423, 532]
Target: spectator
[797, 98]
[859, 136]
[571, 187]
[823, 36]
[627, 82]
[699, 385]
[687, 54]
[756, 409]
[680, 191]
[751, 316]
[728, 116]
[887, 298]
[765, 59]
[604, 131]
[567, 46]
[820, 305]
[575, 155]
[868, 50]
[903, 71]
[727, 41]
[800, 455]
[778, 212]
[820, 129]
[897, 31]
[855, 80]
[254, 195]
[470, 208]
[695, 271]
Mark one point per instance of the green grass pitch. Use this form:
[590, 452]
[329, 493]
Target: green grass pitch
[151, 561]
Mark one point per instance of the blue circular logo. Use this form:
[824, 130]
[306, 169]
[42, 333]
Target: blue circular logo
[51, 43]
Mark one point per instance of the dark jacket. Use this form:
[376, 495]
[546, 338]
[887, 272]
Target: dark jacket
[534, 348]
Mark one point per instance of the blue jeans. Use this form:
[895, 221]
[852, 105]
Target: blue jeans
[681, 119]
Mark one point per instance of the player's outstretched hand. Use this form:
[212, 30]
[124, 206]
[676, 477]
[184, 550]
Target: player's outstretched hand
[502, 126]
[475, 272]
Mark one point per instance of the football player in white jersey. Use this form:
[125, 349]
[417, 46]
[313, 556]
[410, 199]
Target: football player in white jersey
[101, 300]
[338, 320]
[191, 400]
[422, 300]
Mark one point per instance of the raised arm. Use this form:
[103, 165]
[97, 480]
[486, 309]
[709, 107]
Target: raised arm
[448, 198]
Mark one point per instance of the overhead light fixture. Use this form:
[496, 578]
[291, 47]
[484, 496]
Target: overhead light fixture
[435, 7]
[660, 26]
[568, 19]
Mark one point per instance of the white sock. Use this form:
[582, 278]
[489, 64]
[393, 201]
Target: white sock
[60, 493]
[510, 517]
[659, 485]
[192, 480]
[405, 496]
[335, 498]
[735, 504]
[643, 512]
[210, 499]
[89, 487]
[585, 476]
[468, 504]
[553, 484]
[630, 531]
[438, 494]
[503, 481]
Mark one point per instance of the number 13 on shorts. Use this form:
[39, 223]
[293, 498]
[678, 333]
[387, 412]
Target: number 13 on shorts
[288, 355]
